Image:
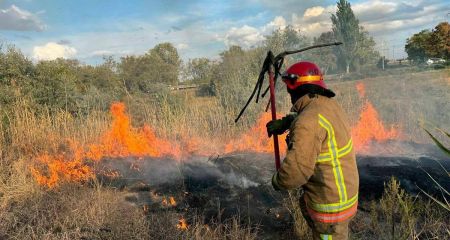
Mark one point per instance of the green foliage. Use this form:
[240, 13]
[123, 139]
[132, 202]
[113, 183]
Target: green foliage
[325, 57]
[346, 30]
[426, 43]
[358, 47]
[236, 76]
[416, 46]
[16, 73]
[56, 84]
[398, 211]
[366, 53]
[286, 39]
[160, 65]
[439, 42]
[167, 63]
[199, 70]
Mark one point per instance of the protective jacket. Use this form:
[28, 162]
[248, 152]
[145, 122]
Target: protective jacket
[321, 159]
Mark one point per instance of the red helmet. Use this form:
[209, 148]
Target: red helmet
[303, 73]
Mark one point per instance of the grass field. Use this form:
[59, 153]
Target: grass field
[93, 211]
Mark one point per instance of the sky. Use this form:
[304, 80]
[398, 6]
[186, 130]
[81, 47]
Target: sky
[89, 30]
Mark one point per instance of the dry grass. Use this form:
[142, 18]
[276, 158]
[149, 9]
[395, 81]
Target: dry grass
[94, 212]
[402, 100]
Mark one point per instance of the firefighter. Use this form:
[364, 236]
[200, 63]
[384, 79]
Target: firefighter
[320, 157]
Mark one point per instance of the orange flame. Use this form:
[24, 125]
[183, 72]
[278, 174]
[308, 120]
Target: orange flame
[256, 139]
[122, 140]
[172, 201]
[62, 167]
[182, 224]
[370, 128]
[361, 89]
[169, 203]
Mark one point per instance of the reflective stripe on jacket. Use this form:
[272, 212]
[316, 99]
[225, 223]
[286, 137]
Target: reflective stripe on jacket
[321, 159]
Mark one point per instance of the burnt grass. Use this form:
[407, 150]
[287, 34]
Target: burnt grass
[222, 187]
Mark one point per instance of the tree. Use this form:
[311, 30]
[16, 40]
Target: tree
[346, 29]
[56, 84]
[166, 63]
[365, 52]
[439, 45]
[16, 73]
[159, 66]
[288, 38]
[426, 43]
[325, 57]
[416, 46]
[199, 70]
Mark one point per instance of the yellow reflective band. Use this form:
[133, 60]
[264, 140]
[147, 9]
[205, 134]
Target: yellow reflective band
[313, 78]
[335, 163]
[326, 157]
[326, 237]
[334, 207]
[346, 149]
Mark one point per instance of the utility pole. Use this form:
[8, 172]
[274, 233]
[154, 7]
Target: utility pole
[383, 49]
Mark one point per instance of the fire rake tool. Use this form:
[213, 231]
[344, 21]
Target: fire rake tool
[272, 66]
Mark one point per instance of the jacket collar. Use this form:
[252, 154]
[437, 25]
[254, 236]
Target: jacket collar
[302, 103]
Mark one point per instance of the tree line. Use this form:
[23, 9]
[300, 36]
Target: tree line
[428, 44]
[76, 87]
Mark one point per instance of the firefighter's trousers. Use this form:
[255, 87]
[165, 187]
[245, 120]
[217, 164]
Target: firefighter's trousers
[325, 231]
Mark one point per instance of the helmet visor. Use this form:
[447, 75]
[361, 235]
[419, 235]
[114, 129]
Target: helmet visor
[289, 78]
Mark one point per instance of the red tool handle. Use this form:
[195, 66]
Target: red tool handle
[274, 117]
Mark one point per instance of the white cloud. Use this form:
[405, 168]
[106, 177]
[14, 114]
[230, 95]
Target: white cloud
[52, 50]
[18, 19]
[313, 12]
[245, 36]
[277, 23]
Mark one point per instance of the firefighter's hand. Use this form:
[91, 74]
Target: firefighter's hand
[276, 127]
[275, 182]
[280, 126]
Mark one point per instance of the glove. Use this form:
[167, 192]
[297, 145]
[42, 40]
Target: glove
[275, 183]
[280, 126]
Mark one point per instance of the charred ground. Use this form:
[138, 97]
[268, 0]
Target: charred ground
[238, 184]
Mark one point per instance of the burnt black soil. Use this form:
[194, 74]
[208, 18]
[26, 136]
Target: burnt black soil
[239, 185]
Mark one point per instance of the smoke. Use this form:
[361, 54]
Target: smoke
[160, 171]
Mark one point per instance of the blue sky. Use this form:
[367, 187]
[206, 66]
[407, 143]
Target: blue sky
[90, 29]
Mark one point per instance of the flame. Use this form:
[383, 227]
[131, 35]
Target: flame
[182, 224]
[255, 140]
[361, 89]
[169, 203]
[370, 128]
[172, 201]
[122, 140]
[62, 167]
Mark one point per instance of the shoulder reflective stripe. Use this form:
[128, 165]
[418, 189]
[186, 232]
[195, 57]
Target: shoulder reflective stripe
[326, 237]
[346, 149]
[337, 170]
[333, 217]
[333, 207]
[325, 157]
